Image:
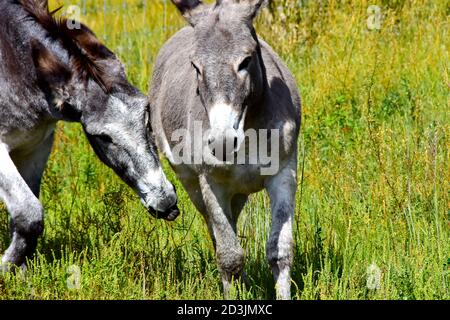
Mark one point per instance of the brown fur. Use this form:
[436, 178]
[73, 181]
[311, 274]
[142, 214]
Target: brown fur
[84, 48]
[46, 62]
[50, 72]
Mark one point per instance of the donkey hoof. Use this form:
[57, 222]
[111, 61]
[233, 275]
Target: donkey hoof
[4, 269]
[12, 268]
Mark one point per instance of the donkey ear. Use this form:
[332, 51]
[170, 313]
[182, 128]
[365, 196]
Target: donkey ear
[253, 7]
[51, 73]
[190, 9]
[89, 42]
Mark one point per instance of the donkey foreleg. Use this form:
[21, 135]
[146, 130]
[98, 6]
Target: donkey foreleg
[222, 226]
[280, 245]
[26, 212]
[31, 166]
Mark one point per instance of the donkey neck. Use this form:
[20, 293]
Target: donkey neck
[23, 105]
[22, 29]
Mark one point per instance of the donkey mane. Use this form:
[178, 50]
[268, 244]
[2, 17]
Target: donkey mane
[82, 45]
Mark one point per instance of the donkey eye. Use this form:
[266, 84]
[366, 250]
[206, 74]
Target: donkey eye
[104, 138]
[146, 116]
[199, 73]
[147, 122]
[245, 64]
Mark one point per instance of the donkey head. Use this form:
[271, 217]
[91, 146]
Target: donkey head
[227, 61]
[91, 87]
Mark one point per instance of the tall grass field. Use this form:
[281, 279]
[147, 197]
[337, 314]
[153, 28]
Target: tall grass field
[372, 217]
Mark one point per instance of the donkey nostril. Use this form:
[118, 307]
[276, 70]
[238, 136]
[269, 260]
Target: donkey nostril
[210, 141]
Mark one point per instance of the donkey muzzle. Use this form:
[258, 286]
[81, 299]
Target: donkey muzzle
[170, 214]
[227, 130]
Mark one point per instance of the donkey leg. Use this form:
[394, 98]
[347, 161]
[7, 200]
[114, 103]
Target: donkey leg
[280, 245]
[237, 204]
[26, 212]
[222, 226]
[32, 166]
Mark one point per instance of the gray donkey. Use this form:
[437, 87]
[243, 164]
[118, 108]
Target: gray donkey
[51, 72]
[217, 76]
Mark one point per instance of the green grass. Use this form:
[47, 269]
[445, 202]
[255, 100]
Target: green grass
[374, 153]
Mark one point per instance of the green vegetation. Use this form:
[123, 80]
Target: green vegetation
[374, 153]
